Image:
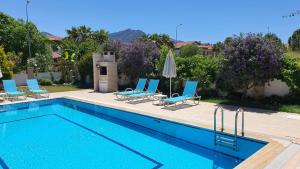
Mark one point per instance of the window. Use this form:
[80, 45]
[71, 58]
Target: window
[103, 70]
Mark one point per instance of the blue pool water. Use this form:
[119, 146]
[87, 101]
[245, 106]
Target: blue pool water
[67, 134]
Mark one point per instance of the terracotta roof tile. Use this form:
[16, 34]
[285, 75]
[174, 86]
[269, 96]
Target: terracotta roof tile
[54, 38]
[179, 45]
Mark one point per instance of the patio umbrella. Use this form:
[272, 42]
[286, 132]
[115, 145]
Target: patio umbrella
[1, 73]
[170, 69]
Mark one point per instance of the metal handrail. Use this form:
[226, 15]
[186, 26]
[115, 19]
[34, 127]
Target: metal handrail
[236, 118]
[215, 118]
[238, 111]
[215, 122]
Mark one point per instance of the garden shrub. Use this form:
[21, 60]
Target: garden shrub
[190, 50]
[208, 93]
[6, 65]
[290, 73]
[159, 65]
[85, 68]
[198, 67]
[45, 82]
[294, 40]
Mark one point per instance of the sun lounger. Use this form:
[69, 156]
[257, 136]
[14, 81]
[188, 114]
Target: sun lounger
[139, 89]
[35, 89]
[189, 93]
[151, 91]
[10, 88]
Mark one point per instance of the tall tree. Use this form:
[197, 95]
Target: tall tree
[294, 40]
[79, 34]
[275, 39]
[137, 59]
[13, 38]
[82, 42]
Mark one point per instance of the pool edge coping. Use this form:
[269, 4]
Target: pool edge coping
[259, 159]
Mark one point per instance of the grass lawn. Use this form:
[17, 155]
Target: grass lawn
[294, 53]
[61, 88]
[54, 88]
[292, 108]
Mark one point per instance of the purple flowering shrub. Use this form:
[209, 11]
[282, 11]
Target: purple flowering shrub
[250, 60]
[136, 59]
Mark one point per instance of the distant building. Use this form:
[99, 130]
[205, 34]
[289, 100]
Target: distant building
[207, 49]
[55, 43]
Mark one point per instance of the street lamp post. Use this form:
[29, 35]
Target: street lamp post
[177, 30]
[28, 35]
[30, 73]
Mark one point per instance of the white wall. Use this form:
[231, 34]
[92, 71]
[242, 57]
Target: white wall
[47, 75]
[275, 87]
[21, 78]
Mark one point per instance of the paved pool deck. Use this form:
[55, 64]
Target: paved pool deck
[278, 126]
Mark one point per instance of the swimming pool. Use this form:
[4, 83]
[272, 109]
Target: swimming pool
[64, 133]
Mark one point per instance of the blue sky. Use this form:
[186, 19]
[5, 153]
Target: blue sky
[207, 21]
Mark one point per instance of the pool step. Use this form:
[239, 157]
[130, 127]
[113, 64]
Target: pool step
[226, 141]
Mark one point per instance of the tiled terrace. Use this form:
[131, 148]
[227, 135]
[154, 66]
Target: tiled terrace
[278, 126]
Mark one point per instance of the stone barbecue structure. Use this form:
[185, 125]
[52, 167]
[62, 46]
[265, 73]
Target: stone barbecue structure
[105, 72]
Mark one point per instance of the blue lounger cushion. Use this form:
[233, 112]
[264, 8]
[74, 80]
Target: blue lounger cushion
[34, 87]
[141, 94]
[139, 88]
[39, 91]
[15, 93]
[188, 93]
[128, 92]
[176, 99]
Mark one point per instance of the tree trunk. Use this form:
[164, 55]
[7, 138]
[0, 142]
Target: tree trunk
[259, 92]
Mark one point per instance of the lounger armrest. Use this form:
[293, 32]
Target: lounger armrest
[197, 96]
[197, 99]
[157, 91]
[42, 88]
[175, 94]
[128, 89]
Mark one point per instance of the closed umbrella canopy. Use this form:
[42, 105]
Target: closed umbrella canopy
[170, 68]
[1, 73]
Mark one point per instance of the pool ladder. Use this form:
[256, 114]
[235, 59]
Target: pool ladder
[223, 139]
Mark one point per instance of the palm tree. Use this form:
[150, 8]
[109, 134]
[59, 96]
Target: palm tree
[79, 34]
[158, 39]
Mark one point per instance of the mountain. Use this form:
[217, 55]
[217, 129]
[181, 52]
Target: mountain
[127, 35]
[46, 34]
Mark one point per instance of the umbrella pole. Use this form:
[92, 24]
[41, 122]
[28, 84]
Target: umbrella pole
[170, 87]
